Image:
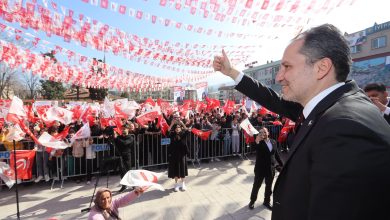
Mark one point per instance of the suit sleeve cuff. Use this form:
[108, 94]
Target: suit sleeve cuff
[239, 78]
[387, 111]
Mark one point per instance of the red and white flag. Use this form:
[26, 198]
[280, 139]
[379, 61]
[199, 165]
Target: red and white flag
[16, 111]
[229, 107]
[142, 178]
[24, 163]
[17, 108]
[84, 132]
[7, 174]
[248, 127]
[131, 108]
[15, 133]
[148, 116]
[204, 135]
[60, 114]
[49, 141]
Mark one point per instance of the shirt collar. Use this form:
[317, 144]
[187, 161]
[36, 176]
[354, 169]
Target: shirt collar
[316, 99]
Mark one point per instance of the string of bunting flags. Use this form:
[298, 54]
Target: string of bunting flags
[16, 57]
[244, 12]
[102, 37]
[75, 57]
[283, 21]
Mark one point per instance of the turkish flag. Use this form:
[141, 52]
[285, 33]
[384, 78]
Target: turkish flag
[63, 133]
[149, 101]
[84, 132]
[229, 107]
[51, 142]
[277, 123]
[24, 163]
[163, 2]
[162, 123]
[30, 114]
[165, 106]
[204, 135]
[104, 4]
[118, 111]
[41, 111]
[122, 9]
[148, 116]
[248, 127]
[212, 103]
[284, 133]
[77, 111]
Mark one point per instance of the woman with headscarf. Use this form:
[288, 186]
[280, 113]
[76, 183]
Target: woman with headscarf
[106, 208]
[177, 152]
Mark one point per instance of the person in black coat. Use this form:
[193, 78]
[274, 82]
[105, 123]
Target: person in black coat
[379, 96]
[125, 144]
[338, 166]
[177, 152]
[267, 157]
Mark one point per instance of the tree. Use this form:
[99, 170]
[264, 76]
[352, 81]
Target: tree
[32, 82]
[7, 76]
[52, 90]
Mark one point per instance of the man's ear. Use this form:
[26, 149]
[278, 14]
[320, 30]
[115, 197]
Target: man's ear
[323, 67]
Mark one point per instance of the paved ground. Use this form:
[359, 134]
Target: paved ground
[218, 190]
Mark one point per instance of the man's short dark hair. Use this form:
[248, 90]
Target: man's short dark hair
[327, 41]
[375, 87]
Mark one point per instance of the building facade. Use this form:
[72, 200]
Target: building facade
[228, 92]
[266, 74]
[370, 51]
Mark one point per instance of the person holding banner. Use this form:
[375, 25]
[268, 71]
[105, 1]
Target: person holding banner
[177, 154]
[108, 208]
[266, 157]
[339, 166]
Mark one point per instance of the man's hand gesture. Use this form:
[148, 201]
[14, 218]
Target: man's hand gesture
[222, 64]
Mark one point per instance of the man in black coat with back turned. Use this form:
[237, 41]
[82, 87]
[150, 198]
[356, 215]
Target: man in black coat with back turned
[339, 166]
[267, 159]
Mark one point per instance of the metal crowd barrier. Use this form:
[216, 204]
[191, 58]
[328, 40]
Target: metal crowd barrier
[148, 151]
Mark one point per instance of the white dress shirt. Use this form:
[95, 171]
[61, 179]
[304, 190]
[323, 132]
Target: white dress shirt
[387, 110]
[268, 142]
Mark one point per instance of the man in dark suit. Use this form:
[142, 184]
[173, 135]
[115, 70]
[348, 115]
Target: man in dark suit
[379, 96]
[267, 159]
[338, 166]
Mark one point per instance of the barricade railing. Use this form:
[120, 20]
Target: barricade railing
[149, 150]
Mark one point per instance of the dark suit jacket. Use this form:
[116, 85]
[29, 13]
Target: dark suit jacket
[266, 160]
[339, 163]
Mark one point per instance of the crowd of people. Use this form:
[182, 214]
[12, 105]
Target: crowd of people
[225, 140]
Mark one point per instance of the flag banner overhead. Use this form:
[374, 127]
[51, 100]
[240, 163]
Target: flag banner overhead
[142, 178]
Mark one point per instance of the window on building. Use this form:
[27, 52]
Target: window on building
[378, 42]
[356, 48]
